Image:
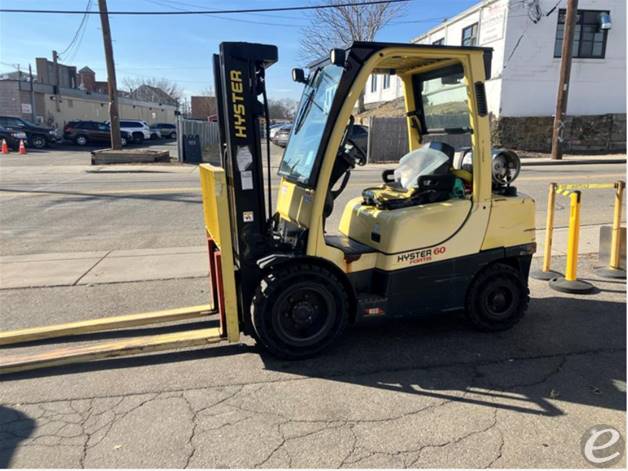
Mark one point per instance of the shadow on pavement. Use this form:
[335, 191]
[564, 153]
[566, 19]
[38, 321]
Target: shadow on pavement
[15, 427]
[570, 349]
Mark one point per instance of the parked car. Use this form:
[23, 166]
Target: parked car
[273, 130]
[91, 132]
[282, 135]
[140, 130]
[12, 137]
[166, 130]
[154, 134]
[37, 136]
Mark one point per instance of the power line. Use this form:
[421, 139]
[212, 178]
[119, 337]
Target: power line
[204, 12]
[79, 30]
[169, 4]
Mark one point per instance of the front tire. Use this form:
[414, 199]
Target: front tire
[299, 310]
[80, 140]
[497, 298]
[138, 138]
[38, 142]
[173, 135]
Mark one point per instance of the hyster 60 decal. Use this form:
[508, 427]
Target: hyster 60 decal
[237, 100]
[421, 256]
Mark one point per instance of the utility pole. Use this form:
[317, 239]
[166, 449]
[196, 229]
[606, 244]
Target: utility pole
[30, 77]
[563, 81]
[55, 61]
[114, 118]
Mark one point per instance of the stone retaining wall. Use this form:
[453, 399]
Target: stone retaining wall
[595, 133]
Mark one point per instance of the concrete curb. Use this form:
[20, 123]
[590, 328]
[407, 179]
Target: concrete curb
[545, 162]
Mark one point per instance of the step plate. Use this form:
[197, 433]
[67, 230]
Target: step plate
[112, 349]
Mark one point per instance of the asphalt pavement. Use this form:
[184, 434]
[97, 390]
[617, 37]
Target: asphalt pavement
[57, 202]
[418, 393]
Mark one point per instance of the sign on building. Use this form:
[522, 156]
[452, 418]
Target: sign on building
[492, 22]
[27, 108]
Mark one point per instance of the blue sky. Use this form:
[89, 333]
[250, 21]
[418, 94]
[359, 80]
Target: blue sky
[180, 47]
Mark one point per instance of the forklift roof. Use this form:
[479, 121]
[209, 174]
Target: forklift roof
[365, 49]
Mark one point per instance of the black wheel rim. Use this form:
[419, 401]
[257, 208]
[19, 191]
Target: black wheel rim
[499, 299]
[304, 314]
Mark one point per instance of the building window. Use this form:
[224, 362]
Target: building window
[589, 40]
[470, 35]
[439, 42]
[386, 81]
[373, 83]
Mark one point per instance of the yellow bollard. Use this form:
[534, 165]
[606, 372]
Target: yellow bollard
[616, 237]
[574, 235]
[614, 269]
[570, 283]
[546, 273]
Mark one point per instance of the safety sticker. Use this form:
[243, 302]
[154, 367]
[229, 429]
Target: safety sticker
[248, 216]
[246, 180]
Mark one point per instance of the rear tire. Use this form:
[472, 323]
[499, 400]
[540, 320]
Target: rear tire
[138, 138]
[173, 135]
[299, 310]
[497, 298]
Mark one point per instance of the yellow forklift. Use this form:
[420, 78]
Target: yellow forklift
[445, 230]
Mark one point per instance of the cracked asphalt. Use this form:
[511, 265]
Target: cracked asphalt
[424, 393]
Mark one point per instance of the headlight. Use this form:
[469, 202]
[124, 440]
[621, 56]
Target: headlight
[52, 132]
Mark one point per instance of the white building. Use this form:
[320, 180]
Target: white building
[526, 37]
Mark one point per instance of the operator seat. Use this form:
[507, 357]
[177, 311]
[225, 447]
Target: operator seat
[422, 176]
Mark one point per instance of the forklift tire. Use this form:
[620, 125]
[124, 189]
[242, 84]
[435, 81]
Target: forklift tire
[497, 298]
[299, 310]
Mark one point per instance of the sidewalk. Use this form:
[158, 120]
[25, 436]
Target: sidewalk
[124, 266]
[574, 160]
[116, 266]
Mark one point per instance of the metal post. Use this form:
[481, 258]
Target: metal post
[116, 143]
[546, 273]
[570, 283]
[614, 270]
[563, 81]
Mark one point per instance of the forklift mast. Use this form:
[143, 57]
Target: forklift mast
[239, 76]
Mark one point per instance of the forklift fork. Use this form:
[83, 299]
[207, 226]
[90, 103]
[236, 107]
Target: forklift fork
[110, 349]
[223, 287]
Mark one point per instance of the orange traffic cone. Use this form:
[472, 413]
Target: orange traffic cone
[22, 147]
[5, 147]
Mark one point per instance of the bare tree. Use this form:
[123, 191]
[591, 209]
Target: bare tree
[282, 109]
[171, 87]
[338, 27]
